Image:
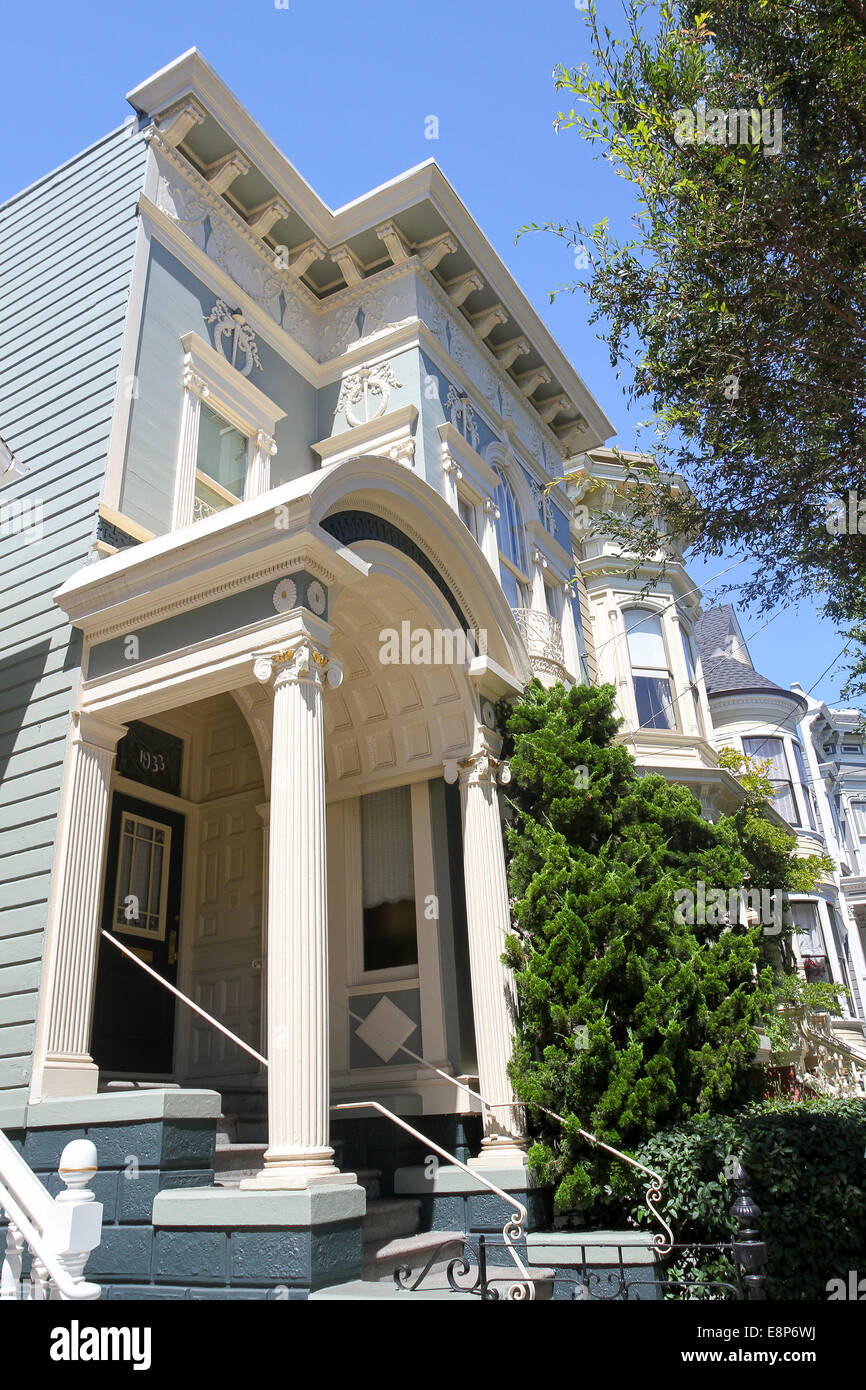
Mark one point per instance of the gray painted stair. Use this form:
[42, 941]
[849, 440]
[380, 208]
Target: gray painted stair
[363, 1289]
[389, 1218]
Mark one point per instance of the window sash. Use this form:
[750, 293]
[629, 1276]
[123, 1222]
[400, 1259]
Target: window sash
[654, 700]
[646, 643]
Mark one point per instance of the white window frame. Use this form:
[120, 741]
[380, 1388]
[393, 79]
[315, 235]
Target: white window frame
[208, 377]
[667, 672]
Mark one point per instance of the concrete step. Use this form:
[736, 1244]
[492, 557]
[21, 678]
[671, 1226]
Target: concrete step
[363, 1289]
[381, 1258]
[389, 1218]
[371, 1181]
[234, 1162]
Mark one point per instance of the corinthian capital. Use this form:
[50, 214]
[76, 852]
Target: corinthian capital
[303, 661]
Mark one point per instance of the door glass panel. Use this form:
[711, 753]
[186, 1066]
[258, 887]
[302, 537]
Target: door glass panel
[142, 878]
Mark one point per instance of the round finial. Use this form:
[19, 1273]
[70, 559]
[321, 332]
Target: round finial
[78, 1163]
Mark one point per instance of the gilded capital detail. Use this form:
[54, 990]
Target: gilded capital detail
[303, 661]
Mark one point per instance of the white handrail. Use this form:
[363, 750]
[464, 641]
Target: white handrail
[654, 1188]
[60, 1231]
[514, 1226]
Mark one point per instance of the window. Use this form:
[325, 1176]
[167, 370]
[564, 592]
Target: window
[852, 748]
[220, 464]
[226, 435]
[467, 515]
[142, 878]
[388, 880]
[810, 941]
[858, 829]
[653, 687]
[553, 599]
[772, 750]
[692, 675]
[512, 546]
[509, 527]
[805, 789]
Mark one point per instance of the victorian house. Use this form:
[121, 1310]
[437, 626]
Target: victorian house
[282, 520]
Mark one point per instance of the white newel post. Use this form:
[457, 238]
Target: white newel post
[63, 1065]
[493, 993]
[299, 1153]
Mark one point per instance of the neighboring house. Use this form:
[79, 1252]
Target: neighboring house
[834, 744]
[287, 521]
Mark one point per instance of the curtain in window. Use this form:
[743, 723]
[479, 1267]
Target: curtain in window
[387, 868]
[772, 750]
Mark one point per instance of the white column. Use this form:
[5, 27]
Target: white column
[298, 1154]
[264, 811]
[489, 541]
[63, 1065]
[539, 597]
[494, 1002]
[195, 391]
[570, 644]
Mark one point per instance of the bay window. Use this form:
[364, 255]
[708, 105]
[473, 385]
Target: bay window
[772, 750]
[651, 677]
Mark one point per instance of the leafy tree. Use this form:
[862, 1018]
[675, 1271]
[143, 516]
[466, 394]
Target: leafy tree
[736, 302]
[631, 1015]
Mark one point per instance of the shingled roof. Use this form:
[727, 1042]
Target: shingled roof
[723, 674]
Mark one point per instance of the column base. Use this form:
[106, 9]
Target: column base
[294, 1172]
[501, 1151]
[61, 1077]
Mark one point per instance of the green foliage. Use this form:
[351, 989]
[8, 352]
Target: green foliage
[769, 846]
[805, 1162]
[736, 299]
[796, 998]
[630, 1018]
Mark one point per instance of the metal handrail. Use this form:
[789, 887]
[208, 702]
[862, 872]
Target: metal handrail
[514, 1226]
[654, 1188]
[184, 999]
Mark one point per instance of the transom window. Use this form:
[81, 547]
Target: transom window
[651, 677]
[142, 878]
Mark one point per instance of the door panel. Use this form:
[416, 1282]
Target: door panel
[133, 1023]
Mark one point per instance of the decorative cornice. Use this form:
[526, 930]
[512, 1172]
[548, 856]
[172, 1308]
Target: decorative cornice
[211, 593]
[497, 360]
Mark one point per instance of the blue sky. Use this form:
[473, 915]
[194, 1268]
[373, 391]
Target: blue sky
[344, 89]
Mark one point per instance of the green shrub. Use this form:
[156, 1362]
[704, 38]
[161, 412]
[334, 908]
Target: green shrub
[806, 1162]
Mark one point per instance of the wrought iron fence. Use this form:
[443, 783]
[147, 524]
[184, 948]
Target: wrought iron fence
[732, 1269]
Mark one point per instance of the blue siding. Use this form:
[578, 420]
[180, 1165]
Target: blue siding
[176, 303]
[66, 247]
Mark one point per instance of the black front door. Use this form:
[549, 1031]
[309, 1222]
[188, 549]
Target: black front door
[133, 1020]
